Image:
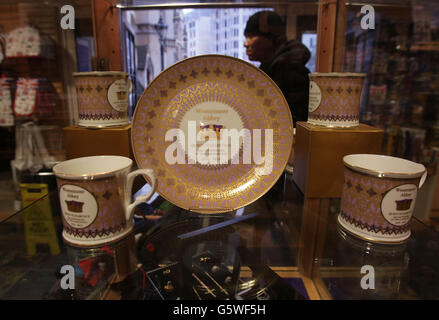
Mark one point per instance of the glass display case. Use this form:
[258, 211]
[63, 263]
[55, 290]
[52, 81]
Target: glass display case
[285, 245]
[249, 254]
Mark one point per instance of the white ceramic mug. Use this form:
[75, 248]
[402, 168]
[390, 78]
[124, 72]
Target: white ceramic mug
[379, 196]
[95, 198]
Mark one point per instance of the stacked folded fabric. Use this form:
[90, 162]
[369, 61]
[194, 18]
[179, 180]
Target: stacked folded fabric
[25, 97]
[6, 115]
[28, 41]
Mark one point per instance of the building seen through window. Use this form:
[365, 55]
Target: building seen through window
[172, 35]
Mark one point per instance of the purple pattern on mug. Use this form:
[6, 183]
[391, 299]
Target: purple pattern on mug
[361, 204]
[340, 99]
[94, 107]
[106, 218]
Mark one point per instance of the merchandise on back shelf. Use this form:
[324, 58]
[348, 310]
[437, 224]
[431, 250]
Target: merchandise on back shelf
[411, 144]
[394, 94]
[31, 152]
[417, 114]
[430, 158]
[390, 114]
[403, 144]
[397, 63]
[373, 115]
[425, 63]
[434, 135]
[46, 99]
[25, 97]
[383, 34]
[435, 154]
[419, 141]
[423, 81]
[28, 41]
[380, 62]
[413, 65]
[377, 94]
[2, 46]
[434, 82]
[349, 58]
[34, 97]
[6, 120]
[6, 113]
[391, 140]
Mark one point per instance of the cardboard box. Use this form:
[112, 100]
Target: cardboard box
[82, 142]
[318, 154]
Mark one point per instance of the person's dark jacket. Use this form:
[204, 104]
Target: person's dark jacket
[287, 69]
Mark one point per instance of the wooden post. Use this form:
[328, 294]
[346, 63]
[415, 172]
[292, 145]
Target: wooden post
[340, 30]
[106, 31]
[330, 42]
[308, 235]
[326, 22]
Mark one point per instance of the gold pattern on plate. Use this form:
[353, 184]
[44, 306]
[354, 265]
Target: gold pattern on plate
[223, 80]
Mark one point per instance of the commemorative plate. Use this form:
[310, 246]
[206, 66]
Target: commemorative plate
[216, 130]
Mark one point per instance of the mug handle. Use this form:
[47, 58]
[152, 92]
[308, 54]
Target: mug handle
[129, 212]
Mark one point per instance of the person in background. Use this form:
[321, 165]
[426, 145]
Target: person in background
[283, 61]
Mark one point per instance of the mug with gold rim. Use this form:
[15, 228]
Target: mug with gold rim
[95, 198]
[379, 196]
[335, 99]
[102, 98]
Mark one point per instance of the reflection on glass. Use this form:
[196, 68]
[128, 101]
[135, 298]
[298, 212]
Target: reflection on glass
[366, 270]
[309, 39]
[400, 95]
[191, 32]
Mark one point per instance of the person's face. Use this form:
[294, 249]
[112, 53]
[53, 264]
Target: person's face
[258, 48]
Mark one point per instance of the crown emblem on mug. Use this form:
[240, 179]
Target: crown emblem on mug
[74, 206]
[403, 204]
[121, 95]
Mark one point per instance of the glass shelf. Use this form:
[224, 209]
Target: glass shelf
[251, 253]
